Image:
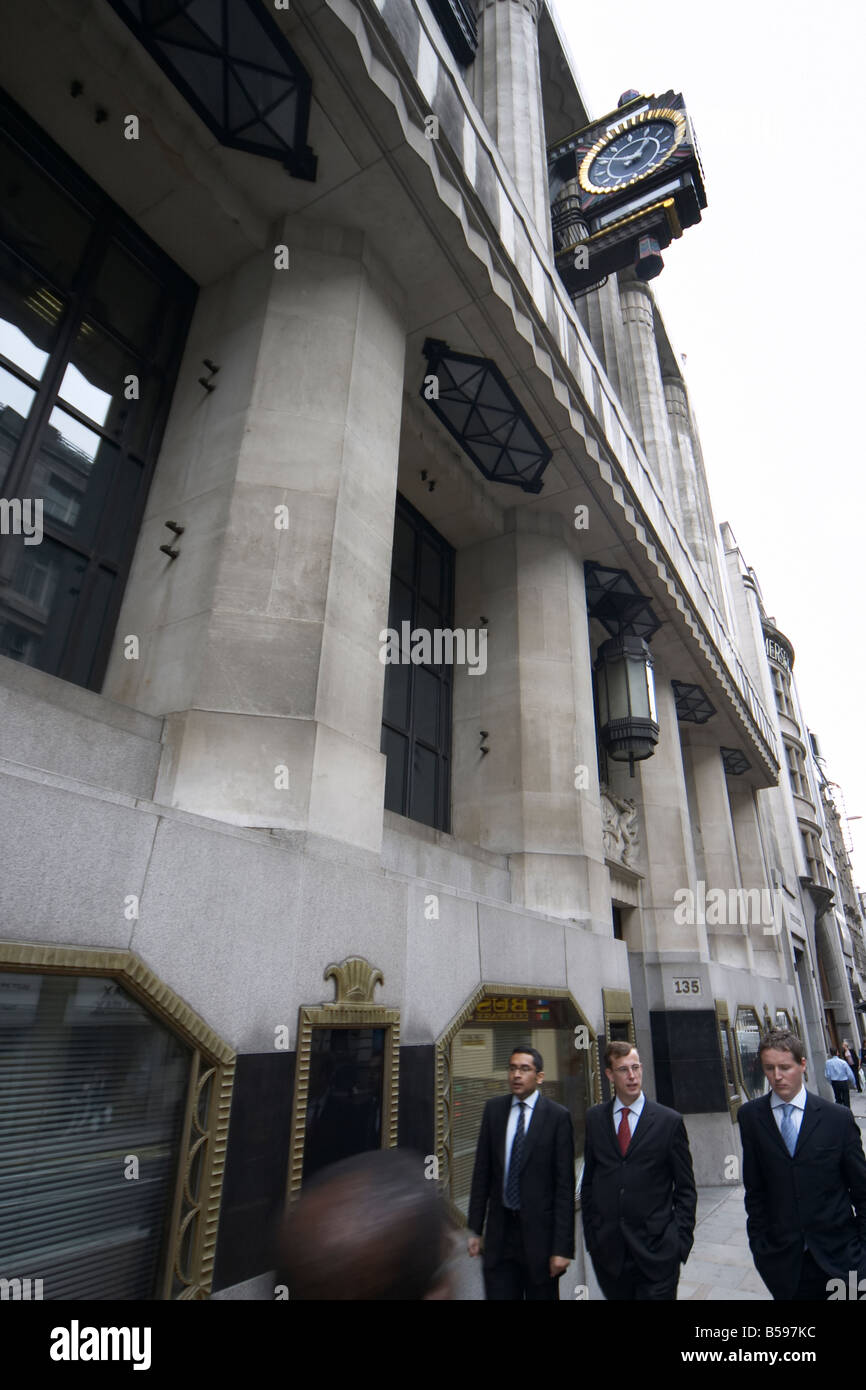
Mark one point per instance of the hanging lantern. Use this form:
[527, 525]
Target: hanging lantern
[626, 700]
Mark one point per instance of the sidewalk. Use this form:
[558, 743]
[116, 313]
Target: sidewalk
[720, 1265]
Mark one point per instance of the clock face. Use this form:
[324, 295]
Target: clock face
[626, 155]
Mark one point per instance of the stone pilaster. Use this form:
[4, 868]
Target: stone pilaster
[535, 704]
[648, 397]
[260, 641]
[508, 94]
[693, 494]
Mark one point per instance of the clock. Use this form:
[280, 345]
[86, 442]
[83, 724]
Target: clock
[631, 150]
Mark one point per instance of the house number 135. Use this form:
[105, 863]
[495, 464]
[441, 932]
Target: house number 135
[687, 986]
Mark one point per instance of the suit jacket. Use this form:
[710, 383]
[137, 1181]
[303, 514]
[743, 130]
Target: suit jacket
[643, 1203]
[807, 1198]
[546, 1184]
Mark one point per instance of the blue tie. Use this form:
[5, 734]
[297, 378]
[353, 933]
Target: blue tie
[512, 1186]
[789, 1129]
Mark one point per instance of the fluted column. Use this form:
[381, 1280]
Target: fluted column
[695, 506]
[647, 390]
[508, 94]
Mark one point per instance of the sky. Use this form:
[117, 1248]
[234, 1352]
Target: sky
[766, 297]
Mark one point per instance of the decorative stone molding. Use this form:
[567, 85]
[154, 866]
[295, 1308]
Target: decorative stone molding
[355, 981]
[619, 830]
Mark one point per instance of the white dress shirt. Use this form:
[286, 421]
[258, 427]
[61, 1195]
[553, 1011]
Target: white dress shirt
[511, 1127]
[799, 1104]
[635, 1108]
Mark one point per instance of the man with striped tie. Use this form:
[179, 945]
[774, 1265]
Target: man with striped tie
[805, 1179]
[638, 1194]
[523, 1188]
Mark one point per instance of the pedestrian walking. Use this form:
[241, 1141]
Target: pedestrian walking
[853, 1062]
[805, 1179]
[838, 1073]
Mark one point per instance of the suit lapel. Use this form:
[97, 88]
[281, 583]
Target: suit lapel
[502, 1129]
[809, 1122]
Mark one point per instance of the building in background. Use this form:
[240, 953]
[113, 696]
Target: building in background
[379, 691]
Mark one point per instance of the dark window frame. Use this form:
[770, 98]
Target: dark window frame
[441, 749]
[111, 226]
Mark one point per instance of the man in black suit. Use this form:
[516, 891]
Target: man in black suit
[805, 1179]
[638, 1191]
[523, 1182]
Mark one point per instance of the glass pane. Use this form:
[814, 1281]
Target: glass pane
[88, 1078]
[15, 402]
[126, 297]
[75, 463]
[40, 590]
[638, 690]
[479, 1058]
[29, 314]
[396, 705]
[748, 1034]
[400, 606]
[394, 747]
[403, 559]
[617, 695]
[37, 219]
[284, 119]
[431, 576]
[427, 690]
[203, 73]
[344, 1108]
[423, 805]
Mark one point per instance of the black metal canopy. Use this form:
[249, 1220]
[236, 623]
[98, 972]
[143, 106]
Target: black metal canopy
[613, 597]
[735, 761]
[693, 706]
[235, 68]
[478, 408]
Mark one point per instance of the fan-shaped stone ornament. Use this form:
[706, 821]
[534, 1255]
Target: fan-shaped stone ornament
[355, 980]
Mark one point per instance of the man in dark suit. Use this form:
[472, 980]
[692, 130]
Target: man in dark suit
[638, 1191]
[805, 1179]
[523, 1182]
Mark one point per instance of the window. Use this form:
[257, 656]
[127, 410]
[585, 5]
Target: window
[814, 857]
[478, 1068]
[92, 322]
[416, 718]
[782, 691]
[458, 23]
[88, 1080]
[747, 1031]
[797, 770]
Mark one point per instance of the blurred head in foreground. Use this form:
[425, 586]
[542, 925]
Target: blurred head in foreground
[370, 1227]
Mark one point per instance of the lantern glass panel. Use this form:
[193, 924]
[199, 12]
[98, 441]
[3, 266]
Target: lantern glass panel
[617, 689]
[651, 693]
[638, 688]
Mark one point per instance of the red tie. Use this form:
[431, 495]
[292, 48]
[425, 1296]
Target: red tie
[623, 1134]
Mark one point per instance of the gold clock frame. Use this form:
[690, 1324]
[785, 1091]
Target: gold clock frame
[187, 1272]
[658, 113]
[355, 980]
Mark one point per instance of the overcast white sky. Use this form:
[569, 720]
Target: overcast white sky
[766, 298]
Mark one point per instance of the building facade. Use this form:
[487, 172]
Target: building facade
[335, 534]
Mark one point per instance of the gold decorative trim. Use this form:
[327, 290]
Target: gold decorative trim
[670, 211]
[723, 1022]
[354, 979]
[188, 1272]
[443, 1067]
[617, 1007]
[659, 113]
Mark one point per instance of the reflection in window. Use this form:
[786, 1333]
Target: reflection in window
[479, 1062]
[344, 1108]
[748, 1035]
[88, 1077]
[69, 258]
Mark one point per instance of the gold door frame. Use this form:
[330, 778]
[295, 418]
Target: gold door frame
[354, 1007]
[723, 1022]
[618, 1008]
[188, 1269]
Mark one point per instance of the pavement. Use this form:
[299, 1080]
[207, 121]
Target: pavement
[720, 1265]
